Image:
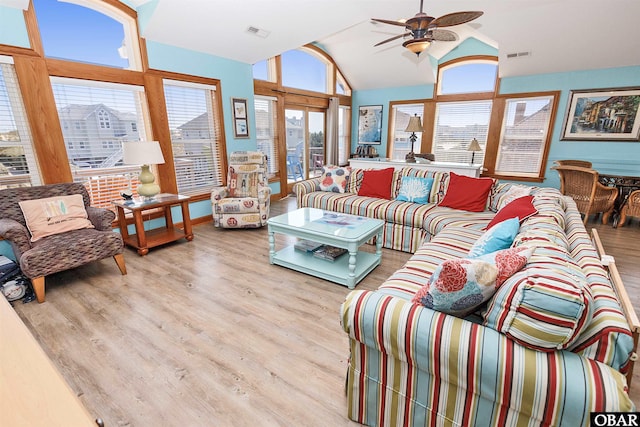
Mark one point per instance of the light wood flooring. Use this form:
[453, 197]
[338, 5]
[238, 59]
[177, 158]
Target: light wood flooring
[208, 333]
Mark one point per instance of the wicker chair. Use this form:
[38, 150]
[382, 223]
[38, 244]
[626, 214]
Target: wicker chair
[581, 163]
[630, 208]
[58, 252]
[582, 185]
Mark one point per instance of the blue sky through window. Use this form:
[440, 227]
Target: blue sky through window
[77, 33]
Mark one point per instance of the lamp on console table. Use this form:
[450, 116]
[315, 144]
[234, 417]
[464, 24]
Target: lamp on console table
[415, 125]
[144, 153]
[473, 147]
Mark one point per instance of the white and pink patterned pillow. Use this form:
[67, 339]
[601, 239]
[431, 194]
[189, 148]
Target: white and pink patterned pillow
[460, 286]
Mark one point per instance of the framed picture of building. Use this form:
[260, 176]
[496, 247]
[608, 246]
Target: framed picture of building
[603, 115]
[370, 124]
[240, 118]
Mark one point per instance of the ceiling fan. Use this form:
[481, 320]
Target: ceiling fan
[425, 29]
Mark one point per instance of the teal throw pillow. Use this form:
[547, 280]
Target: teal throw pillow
[414, 189]
[498, 237]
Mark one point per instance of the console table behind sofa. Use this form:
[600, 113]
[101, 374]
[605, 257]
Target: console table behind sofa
[382, 163]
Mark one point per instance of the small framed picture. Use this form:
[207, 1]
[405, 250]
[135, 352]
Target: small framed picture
[240, 118]
[240, 128]
[239, 108]
[370, 124]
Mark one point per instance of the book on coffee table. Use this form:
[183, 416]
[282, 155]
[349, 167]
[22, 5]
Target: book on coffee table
[330, 253]
[304, 245]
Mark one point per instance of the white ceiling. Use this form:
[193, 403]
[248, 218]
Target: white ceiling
[562, 35]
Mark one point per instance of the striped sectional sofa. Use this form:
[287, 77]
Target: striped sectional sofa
[549, 348]
[407, 224]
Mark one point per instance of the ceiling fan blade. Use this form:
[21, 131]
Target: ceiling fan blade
[455, 18]
[392, 38]
[444, 35]
[387, 21]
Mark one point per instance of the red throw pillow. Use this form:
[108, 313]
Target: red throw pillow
[467, 193]
[377, 183]
[522, 208]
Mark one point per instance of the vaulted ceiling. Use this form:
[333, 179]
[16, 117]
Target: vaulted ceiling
[558, 35]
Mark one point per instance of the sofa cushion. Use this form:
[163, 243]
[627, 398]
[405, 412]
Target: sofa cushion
[546, 305]
[377, 183]
[467, 193]
[460, 286]
[334, 178]
[500, 236]
[54, 215]
[414, 189]
[521, 208]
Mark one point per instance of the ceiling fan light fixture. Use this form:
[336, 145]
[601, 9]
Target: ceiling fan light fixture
[417, 46]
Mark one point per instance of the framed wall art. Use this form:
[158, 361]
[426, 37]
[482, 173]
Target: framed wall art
[603, 115]
[240, 118]
[370, 124]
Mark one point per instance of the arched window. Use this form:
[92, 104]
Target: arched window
[304, 70]
[470, 76]
[109, 35]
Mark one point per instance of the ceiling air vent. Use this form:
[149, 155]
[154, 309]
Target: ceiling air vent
[518, 55]
[258, 32]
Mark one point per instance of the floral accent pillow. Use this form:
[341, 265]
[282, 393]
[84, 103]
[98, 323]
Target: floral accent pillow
[460, 286]
[334, 178]
[414, 189]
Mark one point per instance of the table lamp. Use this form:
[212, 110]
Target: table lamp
[144, 153]
[473, 147]
[415, 125]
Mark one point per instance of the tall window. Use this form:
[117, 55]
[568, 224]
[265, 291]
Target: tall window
[266, 114]
[18, 167]
[525, 129]
[457, 123]
[401, 144]
[93, 148]
[195, 135]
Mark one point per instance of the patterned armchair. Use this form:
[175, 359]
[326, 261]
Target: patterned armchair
[244, 202]
[61, 251]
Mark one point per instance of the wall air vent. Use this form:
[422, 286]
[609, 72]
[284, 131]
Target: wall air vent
[518, 55]
[258, 32]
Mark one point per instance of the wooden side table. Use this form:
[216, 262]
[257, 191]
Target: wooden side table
[143, 239]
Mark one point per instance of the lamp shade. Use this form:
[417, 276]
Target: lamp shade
[474, 146]
[417, 46]
[415, 125]
[142, 153]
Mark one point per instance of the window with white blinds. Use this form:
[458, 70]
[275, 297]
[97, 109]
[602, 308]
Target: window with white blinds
[96, 118]
[525, 128]
[401, 144]
[344, 134]
[456, 124]
[195, 135]
[266, 134]
[18, 167]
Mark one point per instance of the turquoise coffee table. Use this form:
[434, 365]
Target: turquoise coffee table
[329, 228]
